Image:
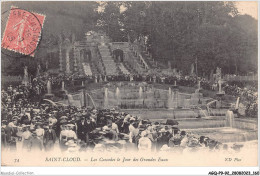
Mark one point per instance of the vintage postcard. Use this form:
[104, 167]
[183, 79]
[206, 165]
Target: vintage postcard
[129, 83]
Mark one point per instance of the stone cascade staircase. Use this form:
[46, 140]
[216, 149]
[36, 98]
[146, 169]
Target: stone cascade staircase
[94, 68]
[141, 50]
[96, 63]
[135, 63]
[87, 69]
[148, 59]
[129, 68]
[123, 69]
[109, 63]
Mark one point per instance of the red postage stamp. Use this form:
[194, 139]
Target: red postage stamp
[23, 31]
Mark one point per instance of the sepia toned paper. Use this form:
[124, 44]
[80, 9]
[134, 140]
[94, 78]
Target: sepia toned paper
[52, 37]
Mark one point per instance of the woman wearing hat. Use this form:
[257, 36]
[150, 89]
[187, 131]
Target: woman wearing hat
[184, 139]
[39, 132]
[26, 138]
[152, 135]
[71, 135]
[134, 131]
[32, 125]
[145, 143]
[19, 132]
[52, 120]
[63, 137]
[113, 129]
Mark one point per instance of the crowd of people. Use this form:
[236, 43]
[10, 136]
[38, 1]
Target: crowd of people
[38, 125]
[32, 125]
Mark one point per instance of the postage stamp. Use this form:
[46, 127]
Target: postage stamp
[23, 31]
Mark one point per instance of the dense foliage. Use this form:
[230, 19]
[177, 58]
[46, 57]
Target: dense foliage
[212, 32]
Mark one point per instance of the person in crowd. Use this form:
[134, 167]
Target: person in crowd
[144, 144]
[32, 125]
[63, 137]
[152, 136]
[39, 133]
[26, 138]
[184, 139]
[163, 138]
[3, 137]
[52, 120]
[134, 132]
[112, 129]
[35, 142]
[13, 144]
[81, 129]
[175, 140]
[19, 132]
[71, 135]
[131, 130]
[9, 131]
[90, 126]
[49, 138]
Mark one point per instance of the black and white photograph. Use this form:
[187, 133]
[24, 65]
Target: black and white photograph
[129, 83]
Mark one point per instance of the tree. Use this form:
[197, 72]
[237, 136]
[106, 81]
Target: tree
[211, 32]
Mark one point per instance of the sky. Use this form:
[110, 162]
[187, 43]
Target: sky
[248, 7]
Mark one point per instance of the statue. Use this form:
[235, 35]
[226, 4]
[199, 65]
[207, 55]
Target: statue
[38, 70]
[131, 77]
[192, 69]
[218, 73]
[25, 77]
[26, 71]
[96, 79]
[219, 86]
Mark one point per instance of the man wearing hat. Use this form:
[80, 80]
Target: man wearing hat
[81, 129]
[49, 138]
[163, 138]
[89, 126]
[25, 119]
